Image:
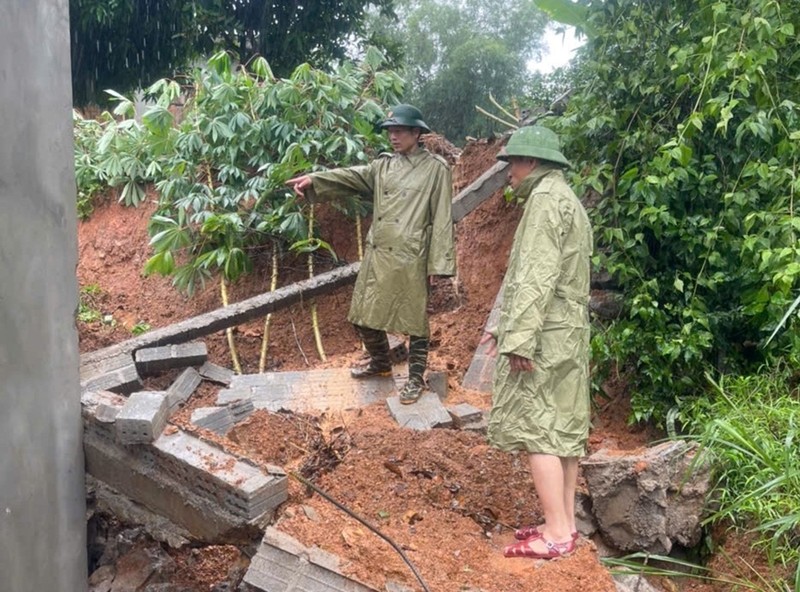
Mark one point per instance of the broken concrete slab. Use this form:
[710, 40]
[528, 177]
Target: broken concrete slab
[142, 417]
[464, 413]
[232, 315]
[183, 388]
[427, 413]
[210, 493]
[479, 190]
[239, 487]
[219, 420]
[316, 390]
[152, 360]
[480, 373]
[283, 564]
[651, 500]
[117, 373]
[215, 373]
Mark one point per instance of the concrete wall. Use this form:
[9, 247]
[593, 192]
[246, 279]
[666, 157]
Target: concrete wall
[42, 500]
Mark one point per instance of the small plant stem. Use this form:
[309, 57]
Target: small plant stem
[262, 362]
[237, 367]
[502, 109]
[314, 319]
[496, 118]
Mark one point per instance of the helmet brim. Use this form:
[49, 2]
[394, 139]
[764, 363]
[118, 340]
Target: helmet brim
[403, 122]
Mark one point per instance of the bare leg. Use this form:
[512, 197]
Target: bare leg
[548, 479]
[569, 466]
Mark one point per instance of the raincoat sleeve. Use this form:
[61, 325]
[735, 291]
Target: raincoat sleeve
[337, 183]
[441, 255]
[532, 283]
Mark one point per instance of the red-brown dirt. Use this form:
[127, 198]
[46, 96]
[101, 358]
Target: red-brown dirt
[446, 497]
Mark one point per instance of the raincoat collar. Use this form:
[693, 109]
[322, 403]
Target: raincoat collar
[530, 182]
[415, 157]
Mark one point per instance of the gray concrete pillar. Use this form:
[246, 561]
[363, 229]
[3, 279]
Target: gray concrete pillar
[42, 500]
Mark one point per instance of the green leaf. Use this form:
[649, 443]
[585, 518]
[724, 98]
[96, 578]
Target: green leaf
[567, 12]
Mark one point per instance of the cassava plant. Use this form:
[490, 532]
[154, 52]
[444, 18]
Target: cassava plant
[221, 171]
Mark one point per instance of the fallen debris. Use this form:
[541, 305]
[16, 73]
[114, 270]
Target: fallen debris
[219, 420]
[427, 413]
[152, 360]
[480, 373]
[651, 499]
[117, 374]
[142, 418]
[216, 373]
[282, 564]
[183, 387]
[208, 492]
[316, 390]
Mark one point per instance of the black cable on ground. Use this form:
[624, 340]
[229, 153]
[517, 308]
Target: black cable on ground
[352, 514]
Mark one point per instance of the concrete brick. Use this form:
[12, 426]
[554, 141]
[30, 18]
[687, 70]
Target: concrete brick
[123, 379]
[142, 418]
[216, 373]
[427, 413]
[152, 360]
[183, 387]
[465, 413]
[138, 479]
[282, 564]
[480, 373]
[107, 413]
[317, 390]
[104, 364]
[217, 419]
[240, 488]
[205, 490]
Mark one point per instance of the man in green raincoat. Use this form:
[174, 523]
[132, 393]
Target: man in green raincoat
[541, 383]
[410, 241]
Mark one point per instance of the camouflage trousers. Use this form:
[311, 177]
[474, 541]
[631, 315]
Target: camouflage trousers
[377, 345]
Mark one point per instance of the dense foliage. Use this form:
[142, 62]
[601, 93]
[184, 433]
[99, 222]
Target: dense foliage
[127, 43]
[685, 123]
[220, 170]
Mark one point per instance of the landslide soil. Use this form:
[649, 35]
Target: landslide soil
[447, 498]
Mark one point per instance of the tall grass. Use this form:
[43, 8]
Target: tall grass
[750, 425]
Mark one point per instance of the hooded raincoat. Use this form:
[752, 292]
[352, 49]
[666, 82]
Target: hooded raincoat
[545, 318]
[411, 236]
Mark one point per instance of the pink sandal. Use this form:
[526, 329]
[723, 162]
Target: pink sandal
[554, 550]
[526, 532]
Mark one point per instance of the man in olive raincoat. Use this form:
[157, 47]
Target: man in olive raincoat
[541, 384]
[409, 242]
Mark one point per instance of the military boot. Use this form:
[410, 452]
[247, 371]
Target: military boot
[377, 345]
[417, 361]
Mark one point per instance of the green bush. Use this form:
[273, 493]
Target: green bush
[684, 123]
[751, 425]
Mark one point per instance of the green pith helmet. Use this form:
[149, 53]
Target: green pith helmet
[534, 141]
[406, 115]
